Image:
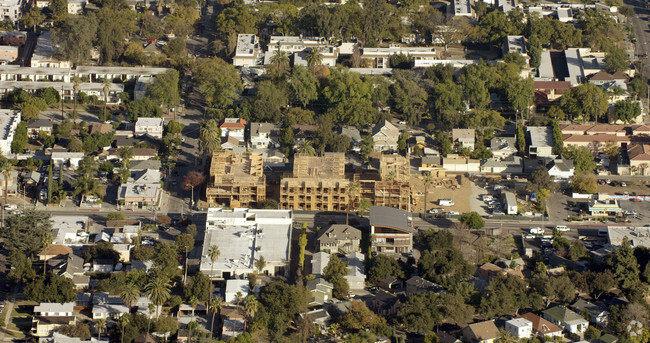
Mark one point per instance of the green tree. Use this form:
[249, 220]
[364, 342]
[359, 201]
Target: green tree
[448, 97]
[473, 220]
[335, 272]
[627, 110]
[219, 82]
[79, 330]
[382, 267]
[199, 288]
[143, 107]
[616, 60]
[279, 65]
[410, 98]
[558, 142]
[21, 267]
[600, 31]
[367, 147]
[74, 37]
[554, 288]
[281, 303]
[115, 23]
[303, 86]
[577, 250]
[130, 294]
[214, 253]
[158, 292]
[584, 182]
[115, 216]
[29, 232]
[33, 17]
[534, 51]
[540, 179]
[583, 159]
[52, 288]
[164, 89]
[519, 93]
[20, 138]
[350, 98]
[302, 244]
[585, 102]
[504, 295]
[521, 140]
[214, 306]
[210, 137]
[625, 266]
[59, 9]
[314, 58]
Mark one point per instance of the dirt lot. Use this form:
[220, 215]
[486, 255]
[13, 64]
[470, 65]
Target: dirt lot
[447, 188]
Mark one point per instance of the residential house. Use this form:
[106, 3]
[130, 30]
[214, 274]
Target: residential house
[638, 156]
[31, 179]
[54, 251]
[109, 311]
[101, 128]
[264, 135]
[540, 141]
[143, 154]
[320, 318]
[380, 57]
[233, 320]
[541, 326]
[465, 137]
[149, 126]
[391, 284]
[597, 314]
[503, 147]
[36, 126]
[385, 136]
[481, 332]
[146, 338]
[385, 304]
[511, 165]
[356, 275]
[391, 230]
[444, 337]
[519, 328]
[607, 338]
[50, 316]
[339, 238]
[320, 291]
[247, 52]
[103, 265]
[67, 159]
[488, 271]
[71, 267]
[319, 261]
[417, 284]
[551, 90]
[571, 322]
[428, 163]
[234, 127]
[560, 168]
[510, 203]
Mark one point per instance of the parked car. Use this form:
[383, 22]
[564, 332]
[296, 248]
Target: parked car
[445, 202]
[454, 213]
[498, 213]
[10, 207]
[529, 236]
[562, 228]
[536, 231]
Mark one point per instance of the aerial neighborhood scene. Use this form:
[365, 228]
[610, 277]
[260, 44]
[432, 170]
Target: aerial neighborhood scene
[449, 171]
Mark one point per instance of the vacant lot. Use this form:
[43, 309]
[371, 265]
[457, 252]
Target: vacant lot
[447, 188]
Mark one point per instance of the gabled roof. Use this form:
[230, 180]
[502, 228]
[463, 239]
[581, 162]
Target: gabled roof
[540, 324]
[601, 76]
[463, 134]
[144, 152]
[639, 152]
[56, 250]
[583, 305]
[315, 283]
[259, 128]
[387, 127]
[338, 232]
[39, 123]
[561, 164]
[484, 330]
[562, 314]
[101, 128]
[233, 123]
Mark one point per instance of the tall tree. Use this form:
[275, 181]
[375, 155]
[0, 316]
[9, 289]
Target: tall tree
[164, 89]
[210, 137]
[625, 266]
[101, 325]
[33, 17]
[303, 86]
[74, 37]
[158, 292]
[279, 64]
[130, 294]
[214, 253]
[29, 232]
[214, 306]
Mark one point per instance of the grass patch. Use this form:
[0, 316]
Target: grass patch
[22, 311]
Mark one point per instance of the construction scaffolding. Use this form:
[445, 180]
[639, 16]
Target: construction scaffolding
[236, 179]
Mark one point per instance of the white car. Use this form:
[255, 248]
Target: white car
[562, 228]
[529, 236]
[454, 213]
[536, 231]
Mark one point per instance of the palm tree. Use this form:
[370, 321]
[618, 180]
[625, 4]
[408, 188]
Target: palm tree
[193, 302]
[210, 138]
[353, 189]
[314, 58]
[76, 81]
[279, 64]
[126, 154]
[130, 294]
[106, 86]
[260, 264]
[214, 253]
[428, 179]
[5, 168]
[151, 309]
[124, 320]
[158, 292]
[214, 306]
[251, 305]
[101, 324]
[306, 148]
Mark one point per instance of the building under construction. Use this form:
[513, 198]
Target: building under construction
[236, 179]
[317, 183]
[390, 185]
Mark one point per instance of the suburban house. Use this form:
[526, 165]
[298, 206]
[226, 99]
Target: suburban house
[264, 135]
[417, 284]
[320, 291]
[34, 127]
[149, 126]
[519, 327]
[560, 168]
[482, 332]
[71, 267]
[50, 316]
[319, 261]
[320, 318]
[503, 147]
[510, 165]
[339, 238]
[571, 322]
[391, 230]
[597, 314]
[234, 127]
[67, 159]
[356, 276]
[465, 137]
[385, 304]
[385, 136]
[541, 326]
[233, 320]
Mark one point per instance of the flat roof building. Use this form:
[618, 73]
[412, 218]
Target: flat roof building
[70, 230]
[9, 120]
[637, 236]
[463, 8]
[247, 52]
[244, 236]
[540, 140]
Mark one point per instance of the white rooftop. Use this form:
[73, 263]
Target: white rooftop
[243, 235]
[149, 122]
[234, 286]
[54, 307]
[574, 64]
[638, 236]
[520, 322]
[8, 121]
[69, 229]
[246, 45]
[540, 136]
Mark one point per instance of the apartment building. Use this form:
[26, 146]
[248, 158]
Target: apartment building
[391, 230]
[9, 120]
[317, 183]
[236, 179]
[391, 187]
[247, 53]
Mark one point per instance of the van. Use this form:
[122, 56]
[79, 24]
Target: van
[445, 202]
[562, 228]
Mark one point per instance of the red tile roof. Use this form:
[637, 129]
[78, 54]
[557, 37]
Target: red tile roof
[639, 152]
[540, 324]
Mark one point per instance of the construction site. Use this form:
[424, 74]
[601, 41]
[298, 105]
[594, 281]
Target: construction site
[236, 180]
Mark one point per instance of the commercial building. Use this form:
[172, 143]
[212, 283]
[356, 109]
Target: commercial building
[604, 206]
[540, 141]
[244, 236]
[247, 53]
[236, 179]
[380, 57]
[9, 120]
[317, 183]
[463, 8]
[391, 230]
[139, 196]
[70, 230]
[637, 236]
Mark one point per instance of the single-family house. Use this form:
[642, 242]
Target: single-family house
[318, 263]
[71, 267]
[385, 136]
[233, 320]
[541, 326]
[385, 304]
[320, 318]
[391, 230]
[234, 127]
[560, 168]
[356, 275]
[465, 137]
[562, 316]
[264, 135]
[597, 314]
[54, 251]
[149, 126]
[503, 147]
[481, 332]
[103, 265]
[354, 135]
[66, 159]
[50, 316]
[391, 284]
[109, 311]
[488, 271]
[519, 327]
[36, 126]
[339, 238]
[320, 291]
[417, 284]
[512, 165]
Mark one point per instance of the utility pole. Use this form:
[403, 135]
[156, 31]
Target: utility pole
[62, 119]
[185, 277]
